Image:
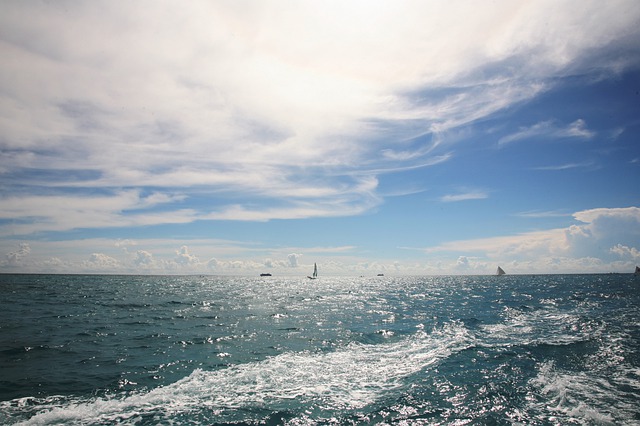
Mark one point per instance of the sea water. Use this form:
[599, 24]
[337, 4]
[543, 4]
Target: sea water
[455, 350]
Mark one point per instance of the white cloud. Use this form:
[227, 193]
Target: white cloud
[542, 128]
[160, 256]
[213, 264]
[463, 262]
[626, 252]
[550, 130]
[16, 257]
[148, 114]
[601, 240]
[57, 265]
[184, 258]
[470, 265]
[615, 133]
[577, 129]
[473, 195]
[626, 216]
[585, 244]
[542, 214]
[143, 258]
[65, 212]
[566, 166]
[531, 244]
[125, 244]
[101, 262]
[265, 99]
[293, 259]
[338, 201]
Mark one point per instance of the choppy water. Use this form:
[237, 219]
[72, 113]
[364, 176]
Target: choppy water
[542, 350]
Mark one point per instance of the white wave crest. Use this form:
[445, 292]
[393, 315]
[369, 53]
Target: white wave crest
[548, 325]
[564, 397]
[349, 378]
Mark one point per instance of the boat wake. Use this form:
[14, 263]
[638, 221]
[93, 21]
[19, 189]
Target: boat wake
[579, 398]
[320, 385]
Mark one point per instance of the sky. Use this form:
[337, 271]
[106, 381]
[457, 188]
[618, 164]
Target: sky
[242, 137]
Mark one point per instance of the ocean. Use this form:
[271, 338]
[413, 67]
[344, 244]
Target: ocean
[211, 350]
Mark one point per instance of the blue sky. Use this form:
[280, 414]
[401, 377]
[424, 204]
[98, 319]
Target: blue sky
[368, 136]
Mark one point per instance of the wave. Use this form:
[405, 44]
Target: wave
[314, 384]
[542, 326]
[565, 397]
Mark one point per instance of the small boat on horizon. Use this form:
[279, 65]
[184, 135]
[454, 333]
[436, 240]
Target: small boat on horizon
[500, 271]
[315, 272]
[265, 275]
[637, 272]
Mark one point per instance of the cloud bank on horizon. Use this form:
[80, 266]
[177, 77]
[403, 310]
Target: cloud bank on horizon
[119, 122]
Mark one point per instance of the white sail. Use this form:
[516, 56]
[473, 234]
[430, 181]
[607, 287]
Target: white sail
[315, 272]
[500, 271]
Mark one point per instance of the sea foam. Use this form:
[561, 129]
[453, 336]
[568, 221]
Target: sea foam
[346, 379]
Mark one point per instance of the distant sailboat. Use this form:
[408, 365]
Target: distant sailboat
[637, 272]
[500, 271]
[315, 272]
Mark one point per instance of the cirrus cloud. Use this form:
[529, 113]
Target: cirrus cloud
[550, 130]
[267, 99]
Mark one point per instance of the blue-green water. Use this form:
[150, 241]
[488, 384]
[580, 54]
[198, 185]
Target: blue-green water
[555, 349]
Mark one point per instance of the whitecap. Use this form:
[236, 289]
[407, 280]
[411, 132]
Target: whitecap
[546, 325]
[348, 378]
[579, 398]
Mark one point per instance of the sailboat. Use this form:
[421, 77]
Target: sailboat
[500, 271]
[315, 272]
